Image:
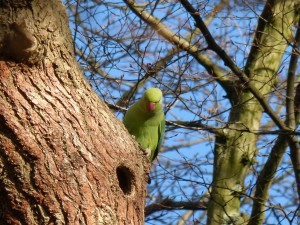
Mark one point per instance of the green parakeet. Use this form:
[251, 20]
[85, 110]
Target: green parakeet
[146, 121]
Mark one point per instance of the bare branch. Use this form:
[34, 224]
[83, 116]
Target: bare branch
[290, 102]
[228, 84]
[196, 125]
[169, 204]
[228, 62]
[265, 178]
[159, 65]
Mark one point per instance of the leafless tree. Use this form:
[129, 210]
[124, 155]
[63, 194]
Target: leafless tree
[228, 71]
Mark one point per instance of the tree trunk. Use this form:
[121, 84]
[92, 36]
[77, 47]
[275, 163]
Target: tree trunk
[64, 157]
[235, 151]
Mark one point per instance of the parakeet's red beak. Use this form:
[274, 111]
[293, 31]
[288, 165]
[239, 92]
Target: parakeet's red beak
[150, 106]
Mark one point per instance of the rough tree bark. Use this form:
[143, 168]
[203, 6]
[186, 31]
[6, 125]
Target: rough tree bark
[64, 157]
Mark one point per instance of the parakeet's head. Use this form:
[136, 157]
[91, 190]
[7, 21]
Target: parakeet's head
[152, 99]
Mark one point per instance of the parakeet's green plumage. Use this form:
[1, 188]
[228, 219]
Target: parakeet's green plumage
[146, 121]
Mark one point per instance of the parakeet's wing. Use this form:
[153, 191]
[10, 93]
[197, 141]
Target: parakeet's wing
[161, 135]
[129, 119]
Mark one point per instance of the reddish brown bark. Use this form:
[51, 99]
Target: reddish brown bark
[64, 157]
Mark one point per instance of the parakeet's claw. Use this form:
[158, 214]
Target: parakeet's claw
[148, 152]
